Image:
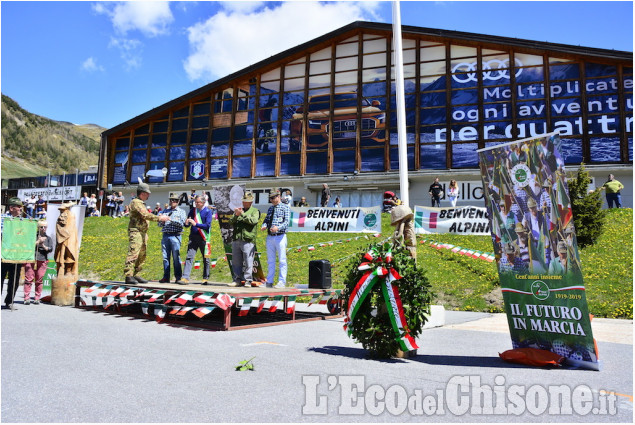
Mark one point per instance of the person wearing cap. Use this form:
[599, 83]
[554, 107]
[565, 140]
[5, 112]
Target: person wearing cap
[544, 202]
[559, 265]
[519, 207]
[534, 219]
[171, 240]
[613, 188]
[36, 271]
[138, 235]
[11, 271]
[523, 243]
[244, 221]
[200, 221]
[507, 226]
[511, 262]
[276, 223]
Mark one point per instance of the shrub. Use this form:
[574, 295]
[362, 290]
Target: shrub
[588, 215]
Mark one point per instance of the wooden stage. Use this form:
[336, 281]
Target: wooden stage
[215, 306]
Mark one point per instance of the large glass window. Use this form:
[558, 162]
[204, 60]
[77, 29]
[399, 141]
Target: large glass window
[121, 159]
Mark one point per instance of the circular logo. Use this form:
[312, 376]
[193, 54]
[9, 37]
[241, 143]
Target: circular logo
[370, 220]
[520, 175]
[493, 70]
[540, 290]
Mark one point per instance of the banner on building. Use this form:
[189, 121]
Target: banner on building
[342, 220]
[18, 240]
[226, 200]
[66, 193]
[455, 220]
[536, 248]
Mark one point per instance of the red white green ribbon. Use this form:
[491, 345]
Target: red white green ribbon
[204, 235]
[391, 298]
[395, 311]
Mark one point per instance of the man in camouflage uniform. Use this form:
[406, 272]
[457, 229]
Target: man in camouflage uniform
[138, 234]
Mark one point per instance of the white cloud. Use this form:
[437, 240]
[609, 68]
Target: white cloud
[130, 51]
[241, 6]
[90, 65]
[241, 35]
[150, 18]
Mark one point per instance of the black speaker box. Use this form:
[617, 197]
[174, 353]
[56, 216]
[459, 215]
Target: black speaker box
[319, 274]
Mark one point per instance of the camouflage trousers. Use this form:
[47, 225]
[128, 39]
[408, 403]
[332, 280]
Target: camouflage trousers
[137, 242]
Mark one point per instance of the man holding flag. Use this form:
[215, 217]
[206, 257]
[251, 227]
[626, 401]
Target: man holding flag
[200, 219]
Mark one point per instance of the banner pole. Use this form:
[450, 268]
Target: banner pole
[401, 104]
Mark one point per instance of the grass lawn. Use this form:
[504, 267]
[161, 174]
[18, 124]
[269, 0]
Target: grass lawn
[459, 282]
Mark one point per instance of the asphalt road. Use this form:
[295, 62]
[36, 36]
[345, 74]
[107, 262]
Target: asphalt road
[61, 364]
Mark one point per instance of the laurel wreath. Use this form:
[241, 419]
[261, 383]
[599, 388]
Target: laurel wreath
[372, 326]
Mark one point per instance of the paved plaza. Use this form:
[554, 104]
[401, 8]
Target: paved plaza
[63, 364]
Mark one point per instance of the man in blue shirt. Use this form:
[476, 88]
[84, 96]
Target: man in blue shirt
[276, 223]
[200, 219]
[171, 241]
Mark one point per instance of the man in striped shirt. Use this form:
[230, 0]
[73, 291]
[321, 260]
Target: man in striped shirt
[171, 241]
[276, 223]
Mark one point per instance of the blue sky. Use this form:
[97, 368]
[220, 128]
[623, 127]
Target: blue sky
[107, 62]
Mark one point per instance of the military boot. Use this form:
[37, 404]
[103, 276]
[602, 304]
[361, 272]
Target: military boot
[131, 280]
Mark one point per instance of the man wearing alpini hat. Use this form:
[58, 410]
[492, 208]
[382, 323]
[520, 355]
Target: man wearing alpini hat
[244, 220]
[171, 241]
[138, 234]
[276, 223]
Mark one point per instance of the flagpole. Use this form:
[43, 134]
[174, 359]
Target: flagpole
[401, 104]
[63, 187]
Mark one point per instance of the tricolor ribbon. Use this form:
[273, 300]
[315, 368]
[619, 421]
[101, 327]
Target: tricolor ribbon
[391, 298]
[205, 235]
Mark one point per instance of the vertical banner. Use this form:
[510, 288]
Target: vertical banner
[226, 200]
[18, 240]
[536, 249]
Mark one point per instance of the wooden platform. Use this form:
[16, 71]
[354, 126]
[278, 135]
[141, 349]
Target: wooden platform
[215, 306]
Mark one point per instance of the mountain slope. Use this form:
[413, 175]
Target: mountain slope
[32, 144]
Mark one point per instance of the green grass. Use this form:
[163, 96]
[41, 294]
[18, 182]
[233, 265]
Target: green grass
[460, 283]
[14, 169]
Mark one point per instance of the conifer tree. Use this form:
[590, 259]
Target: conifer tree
[588, 215]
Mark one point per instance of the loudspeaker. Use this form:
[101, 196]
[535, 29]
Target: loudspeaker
[319, 274]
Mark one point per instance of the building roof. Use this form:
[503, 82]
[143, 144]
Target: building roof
[565, 49]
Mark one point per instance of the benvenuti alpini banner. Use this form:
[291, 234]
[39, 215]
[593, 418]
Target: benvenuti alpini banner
[536, 249]
[466, 220]
[343, 220]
